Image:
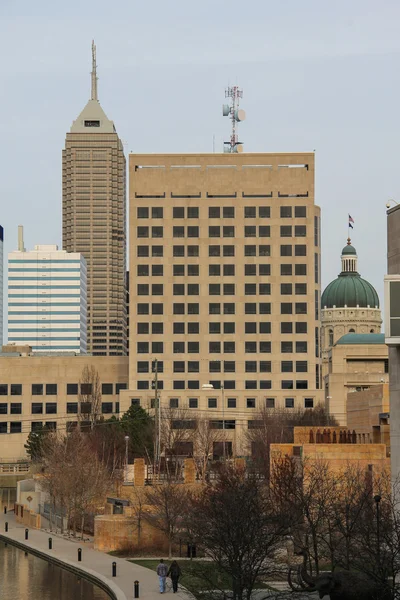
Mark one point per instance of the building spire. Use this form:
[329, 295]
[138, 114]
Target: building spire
[94, 73]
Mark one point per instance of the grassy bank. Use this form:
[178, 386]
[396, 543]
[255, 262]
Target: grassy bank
[197, 575]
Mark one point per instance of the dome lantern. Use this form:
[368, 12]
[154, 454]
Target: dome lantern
[349, 258]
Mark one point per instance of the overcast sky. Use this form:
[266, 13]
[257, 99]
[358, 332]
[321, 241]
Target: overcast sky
[316, 75]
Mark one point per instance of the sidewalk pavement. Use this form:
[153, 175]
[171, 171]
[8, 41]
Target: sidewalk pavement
[95, 564]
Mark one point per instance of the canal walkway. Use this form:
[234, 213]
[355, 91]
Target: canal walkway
[97, 565]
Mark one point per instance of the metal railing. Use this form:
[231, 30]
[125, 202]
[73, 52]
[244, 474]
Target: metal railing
[14, 468]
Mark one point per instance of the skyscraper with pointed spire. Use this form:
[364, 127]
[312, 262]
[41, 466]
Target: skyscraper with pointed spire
[94, 219]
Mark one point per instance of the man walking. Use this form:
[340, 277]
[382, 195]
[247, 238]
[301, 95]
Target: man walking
[162, 571]
[174, 572]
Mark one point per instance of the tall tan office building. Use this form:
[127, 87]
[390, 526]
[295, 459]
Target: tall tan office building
[94, 220]
[225, 283]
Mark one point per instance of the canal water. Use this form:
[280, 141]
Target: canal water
[26, 577]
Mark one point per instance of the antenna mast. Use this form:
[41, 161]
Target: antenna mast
[236, 115]
[94, 73]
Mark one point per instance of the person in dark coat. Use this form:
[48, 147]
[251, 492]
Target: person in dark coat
[174, 572]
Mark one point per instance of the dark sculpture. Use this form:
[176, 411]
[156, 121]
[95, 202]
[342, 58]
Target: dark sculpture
[334, 440]
[311, 438]
[339, 585]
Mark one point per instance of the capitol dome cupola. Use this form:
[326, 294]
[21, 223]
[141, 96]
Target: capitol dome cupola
[349, 289]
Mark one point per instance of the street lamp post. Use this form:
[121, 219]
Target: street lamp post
[377, 499]
[126, 453]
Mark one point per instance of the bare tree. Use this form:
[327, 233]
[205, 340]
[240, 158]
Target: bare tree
[89, 396]
[167, 503]
[240, 527]
[177, 429]
[204, 436]
[275, 426]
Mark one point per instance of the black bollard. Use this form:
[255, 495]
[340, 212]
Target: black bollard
[6, 526]
[136, 589]
[26, 533]
[79, 554]
[114, 569]
[50, 543]
[5, 510]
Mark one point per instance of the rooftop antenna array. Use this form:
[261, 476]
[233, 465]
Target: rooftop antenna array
[236, 115]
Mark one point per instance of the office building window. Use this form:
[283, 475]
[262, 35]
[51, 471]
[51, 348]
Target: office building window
[250, 270]
[301, 327]
[36, 408]
[214, 309]
[250, 289]
[178, 232]
[193, 212]
[286, 250]
[229, 366]
[157, 212]
[142, 270]
[214, 289]
[265, 347]
[300, 212]
[228, 231]
[287, 366]
[15, 427]
[178, 309]
[193, 403]
[229, 347]
[15, 408]
[264, 270]
[301, 384]
[142, 347]
[300, 250]
[193, 232]
[250, 327]
[286, 308]
[251, 402]
[212, 403]
[286, 347]
[178, 289]
[72, 408]
[251, 366]
[142, 309]
[250, 250]
[142, 328]
[286, 231]
[214, 366]
[250, 212]
[300, 289]
[178, 251]
[228, 251]
[142, 289]
[157, 251]
[106, 408]
[157, 232]
[265, 308]
[193, 347]
[231, 402]
[228, 212]
[250, 308]
[142, 251]
[157, 347]
[214, 212]
[214, 250]
[72, 389]
[308, 402]
[193, 308]
[264, 250]
[229, 270]
[264, 289]
[229, 289]
[229, 308]
[214, 270]
[286, 289]
[142, 212]
[269, 402]
[193, 289]
[214, 231]
[142, 232]
[193, 270]
[264, 212]
[16, 389]
[142, 366]
[301, 347]
[193, 251]
[51, 389]
[301, 308]
[289, 402]
[157, 270]
[178, 212]
[51, 408]
[37, 389]
[193, 328]
[286, 212]
[265, 366]
[300, 231]
[286, 269]
[250, 347]
[264, 231]
[286, 327]
[174, 402]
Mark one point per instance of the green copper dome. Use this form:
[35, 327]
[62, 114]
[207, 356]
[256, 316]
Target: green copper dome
[349, 250]
[349, 289]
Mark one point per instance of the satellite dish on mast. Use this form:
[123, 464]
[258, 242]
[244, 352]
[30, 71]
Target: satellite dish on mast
[240, 115]
[226, 109]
